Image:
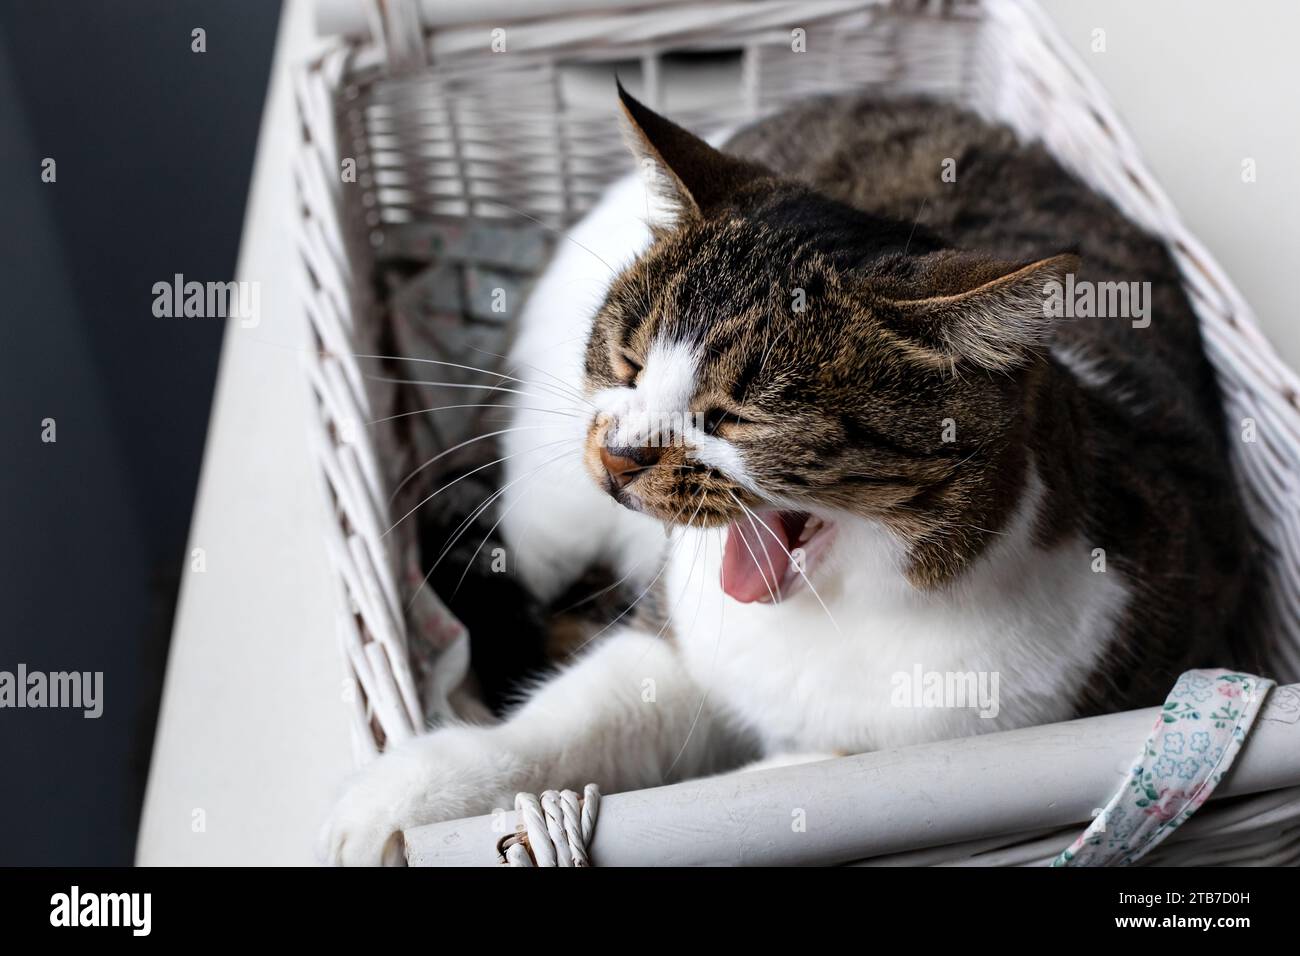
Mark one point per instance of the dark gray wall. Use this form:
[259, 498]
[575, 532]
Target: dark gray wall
[154, 146]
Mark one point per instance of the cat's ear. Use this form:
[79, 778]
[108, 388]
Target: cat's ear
[688, 174]
[992, 314]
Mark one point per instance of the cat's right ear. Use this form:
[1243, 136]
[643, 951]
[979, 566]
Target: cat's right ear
[687, 174]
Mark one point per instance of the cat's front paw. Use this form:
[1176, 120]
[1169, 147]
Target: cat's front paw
[446, 775]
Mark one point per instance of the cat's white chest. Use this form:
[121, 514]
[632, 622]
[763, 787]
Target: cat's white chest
[882, 664]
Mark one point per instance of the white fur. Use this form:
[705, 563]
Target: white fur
[557, 521]
[652, 412]
[807, 677]
[658, 409]
[665, 385]
[811, 674]
[1091, 373]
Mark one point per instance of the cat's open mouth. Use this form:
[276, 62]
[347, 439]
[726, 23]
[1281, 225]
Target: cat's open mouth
[769, 554]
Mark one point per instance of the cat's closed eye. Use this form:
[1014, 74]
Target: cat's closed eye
[716, 418]
[626, 368]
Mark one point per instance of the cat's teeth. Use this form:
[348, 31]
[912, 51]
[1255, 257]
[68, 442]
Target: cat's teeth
[810, 528]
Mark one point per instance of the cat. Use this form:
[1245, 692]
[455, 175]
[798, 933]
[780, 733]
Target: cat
[827, 414]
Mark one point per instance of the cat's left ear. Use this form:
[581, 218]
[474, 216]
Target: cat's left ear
[691, 176]
[992, 314]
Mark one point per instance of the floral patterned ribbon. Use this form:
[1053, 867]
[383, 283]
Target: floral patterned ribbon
[1201, 727]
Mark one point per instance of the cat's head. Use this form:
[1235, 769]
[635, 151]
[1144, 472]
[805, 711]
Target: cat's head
[778, 362]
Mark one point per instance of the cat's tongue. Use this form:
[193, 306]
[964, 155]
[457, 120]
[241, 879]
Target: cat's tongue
[756, 557]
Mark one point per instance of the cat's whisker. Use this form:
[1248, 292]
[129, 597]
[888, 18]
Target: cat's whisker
[571, 393]
[610, 587]
[774, 583]
[781, 545]
[602, 591]
[531, 476]
[464, 385]
[716, 644]
[456, 534]
[444, 408]
[561, 383]
[644, 591]
[478, 510]
[551, 229]
[978, 528]
[472, 471]
[454, 448]
[686, 584]
[767, 354]
[495, 373]
[668, 617]
[470, 518]
[672, 612]
[468, 522]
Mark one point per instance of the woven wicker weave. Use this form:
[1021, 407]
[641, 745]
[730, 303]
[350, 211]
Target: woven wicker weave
[447, 134]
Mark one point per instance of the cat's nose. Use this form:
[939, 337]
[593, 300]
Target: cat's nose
[624, 464]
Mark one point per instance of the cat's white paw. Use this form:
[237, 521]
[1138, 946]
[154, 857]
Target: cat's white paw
[446, 775]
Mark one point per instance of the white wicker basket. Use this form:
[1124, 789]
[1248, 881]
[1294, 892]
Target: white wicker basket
[445, 131]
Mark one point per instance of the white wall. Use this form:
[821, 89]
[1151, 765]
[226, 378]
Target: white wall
[1201, 85]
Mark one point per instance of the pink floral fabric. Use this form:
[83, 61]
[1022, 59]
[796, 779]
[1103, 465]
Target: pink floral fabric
[1200, 730]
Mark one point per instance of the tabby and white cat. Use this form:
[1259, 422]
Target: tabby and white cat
[832, 380]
